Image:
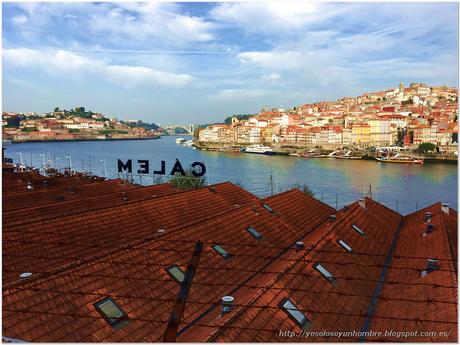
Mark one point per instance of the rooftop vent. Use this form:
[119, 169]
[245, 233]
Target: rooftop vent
[45, 183]
[299, 245]
[124, 197]
[212, 189]
[161, 231]
[227, 302]
[445, 208]
[254, 209]
[431, 265]
[29, 185]
[332, 218]
[362, 203]
[428, 215]
[25, 275]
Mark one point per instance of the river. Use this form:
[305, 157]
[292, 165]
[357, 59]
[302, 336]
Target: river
[337, 182]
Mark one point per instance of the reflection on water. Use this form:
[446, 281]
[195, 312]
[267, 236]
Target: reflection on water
[336, 182]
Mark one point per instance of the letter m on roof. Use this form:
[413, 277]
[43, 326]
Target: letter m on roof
[127, 166]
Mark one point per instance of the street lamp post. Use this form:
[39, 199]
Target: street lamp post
[105, 168]
[70, 162]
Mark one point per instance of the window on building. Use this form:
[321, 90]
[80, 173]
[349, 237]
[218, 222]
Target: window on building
[175, 272]
[345, 246]
[268, 208]
[112, 312]
[326, 274]
[257, 235]
[288, 306]
[358, 230]
[221, 251]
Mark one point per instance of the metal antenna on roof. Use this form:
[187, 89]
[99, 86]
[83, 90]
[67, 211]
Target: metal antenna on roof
[271, 184]
[179, 305]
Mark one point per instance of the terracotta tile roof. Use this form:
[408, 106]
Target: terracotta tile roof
[297, 209]
[59, 307]
[411, 302]
[65, 207]
[117, 252]
[339, 306]
[49, 244]
[16, 183]
[73, 190]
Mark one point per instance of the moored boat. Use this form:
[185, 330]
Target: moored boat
[180, 140]
[259, 149]
[400, 159]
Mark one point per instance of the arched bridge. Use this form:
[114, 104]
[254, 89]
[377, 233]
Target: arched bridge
[189, 128]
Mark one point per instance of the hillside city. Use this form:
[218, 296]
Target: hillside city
[405, 116]
[76, 124]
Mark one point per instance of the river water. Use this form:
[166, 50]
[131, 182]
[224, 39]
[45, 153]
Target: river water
[337, 182]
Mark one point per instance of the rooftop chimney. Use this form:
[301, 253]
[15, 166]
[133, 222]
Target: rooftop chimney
[362, 203]
[227, 304]
[445, 208]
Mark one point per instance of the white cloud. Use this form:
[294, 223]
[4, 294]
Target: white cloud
[19, 19]
[136, 21]
[234, 94]
[272, 16]
[64, 63]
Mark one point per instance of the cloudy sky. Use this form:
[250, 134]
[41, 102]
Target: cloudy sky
[200, 62]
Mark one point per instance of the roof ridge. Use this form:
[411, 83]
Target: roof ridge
[381, 282]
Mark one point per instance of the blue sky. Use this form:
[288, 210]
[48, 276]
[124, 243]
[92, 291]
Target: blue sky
[200, 62]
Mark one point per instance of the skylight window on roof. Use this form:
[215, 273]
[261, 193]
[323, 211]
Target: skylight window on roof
[112, 312]
[221, 251]
[175, 272]
[358, 230]
[326, 274]
[294, 313]
[268, 208]
[257, 235]
[345, 246]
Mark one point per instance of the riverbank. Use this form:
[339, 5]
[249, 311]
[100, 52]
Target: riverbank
[83, 139]
[297, 151]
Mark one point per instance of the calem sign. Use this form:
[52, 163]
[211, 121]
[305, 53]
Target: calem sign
[198, 168]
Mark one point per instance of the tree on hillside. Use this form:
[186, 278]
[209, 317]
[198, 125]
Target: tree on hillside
[426, 147]
[56, 109]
